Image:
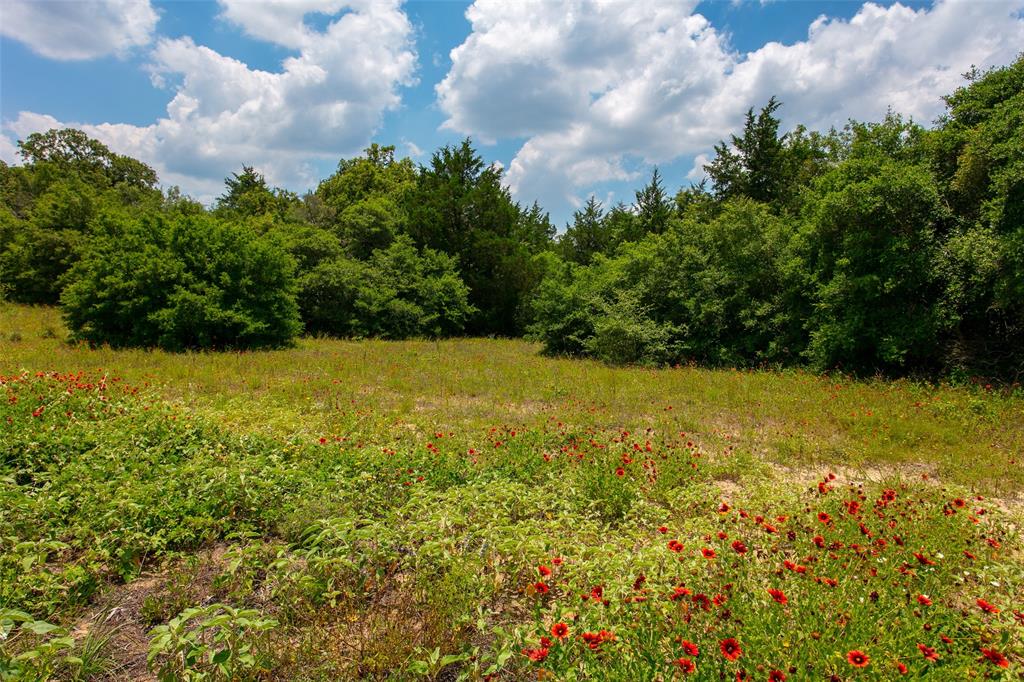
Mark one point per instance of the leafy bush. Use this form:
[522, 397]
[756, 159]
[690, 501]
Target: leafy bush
[872, 246]
[399, 292]
[182, 282]
[624, 333]
[215, 642]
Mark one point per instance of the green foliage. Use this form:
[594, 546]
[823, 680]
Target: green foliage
[653, 207]
[588, 235]
[215, 642]
[179, 283]
[872, 244]
[387, 553]
[460, 206]
[881, 247]
[34, 259]
[977, 155]
[398, 293]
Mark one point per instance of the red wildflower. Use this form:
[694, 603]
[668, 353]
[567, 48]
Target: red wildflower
[819, 541]
[928, 652]
[597, 592]
[858, 659]
[557, 561]
[619, 471]
[544, 570]
[679, 593]
[776, 676]
[540, 587]
[545, 642]
[730, 648]
[690, 648]
[922, 559]
[663, 529]
[778, 595]
[675, 545]
[595, 639]
[923, 600]
[560, 630]
[739, 547]
[995, 657]
[987, 607]
[686, 665]
[902, 668]
[708, 553]
[536, 655]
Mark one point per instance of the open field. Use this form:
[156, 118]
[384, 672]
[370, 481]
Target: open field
[413, 510]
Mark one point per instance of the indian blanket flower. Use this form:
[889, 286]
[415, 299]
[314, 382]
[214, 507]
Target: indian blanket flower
[858, 659]
[560, 630]
[544, 570]
[923, 560]
[778, 595]
[923, 600]
[987, 607]
[730, 648]
[540, 587]
[690, 648]
[928, 652]
[675, 545]
[995, 657]
[708, 553]
[776, 676]
[686, 665]
[536, 655]
[739, 547]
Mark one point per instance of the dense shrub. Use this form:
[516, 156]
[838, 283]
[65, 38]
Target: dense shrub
[398, 292]
[873, 244]
[181, 283]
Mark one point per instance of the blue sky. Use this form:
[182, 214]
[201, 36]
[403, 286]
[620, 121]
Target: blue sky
[571, 98]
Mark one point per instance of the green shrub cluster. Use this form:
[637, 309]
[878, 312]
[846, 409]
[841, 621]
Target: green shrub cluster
[883, 247]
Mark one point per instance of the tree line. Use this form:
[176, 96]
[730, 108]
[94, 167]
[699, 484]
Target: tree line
[879, 247]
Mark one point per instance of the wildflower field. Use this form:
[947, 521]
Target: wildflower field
[470, 509]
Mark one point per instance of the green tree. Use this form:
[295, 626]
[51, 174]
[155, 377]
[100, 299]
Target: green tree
[977, 154]
[870, 249]
[461, 207]
[653, 207]
[398, 292]
[588, 234]
[181, 282]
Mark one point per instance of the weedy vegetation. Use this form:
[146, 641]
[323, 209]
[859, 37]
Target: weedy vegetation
[471, 509]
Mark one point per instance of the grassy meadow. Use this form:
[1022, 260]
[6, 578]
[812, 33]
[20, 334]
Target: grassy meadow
[470, 509]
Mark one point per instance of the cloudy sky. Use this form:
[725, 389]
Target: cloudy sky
[572, 98]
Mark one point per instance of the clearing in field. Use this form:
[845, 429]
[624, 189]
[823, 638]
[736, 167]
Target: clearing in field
[470, 509]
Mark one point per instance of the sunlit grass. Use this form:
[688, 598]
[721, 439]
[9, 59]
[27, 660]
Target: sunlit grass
[406, 390]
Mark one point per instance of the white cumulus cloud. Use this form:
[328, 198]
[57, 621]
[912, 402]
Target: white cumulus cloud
[325, 102]
[595, 87]
[78, 29]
